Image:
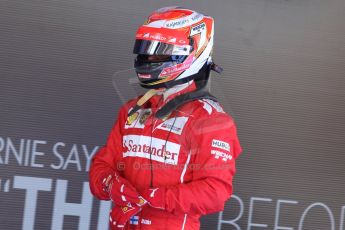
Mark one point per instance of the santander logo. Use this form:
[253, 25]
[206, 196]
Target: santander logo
[177, 68]
[139, 146]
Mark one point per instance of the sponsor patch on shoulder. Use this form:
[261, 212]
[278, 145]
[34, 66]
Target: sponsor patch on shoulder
[215, 105]
[221, 145]
[221, 155]
[209, 105]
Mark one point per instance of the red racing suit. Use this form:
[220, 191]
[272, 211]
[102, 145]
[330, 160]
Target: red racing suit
[193, 155]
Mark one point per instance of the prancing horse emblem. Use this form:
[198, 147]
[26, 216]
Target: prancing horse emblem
[144, 117]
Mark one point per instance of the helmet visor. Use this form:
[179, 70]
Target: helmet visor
[148, 47]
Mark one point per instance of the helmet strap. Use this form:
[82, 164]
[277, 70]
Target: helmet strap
[142, 101]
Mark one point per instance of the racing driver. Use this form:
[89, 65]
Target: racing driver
[170, 157]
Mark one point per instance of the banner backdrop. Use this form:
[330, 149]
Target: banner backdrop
[283, 83]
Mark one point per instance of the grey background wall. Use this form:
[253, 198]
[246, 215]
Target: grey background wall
[283, 82]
